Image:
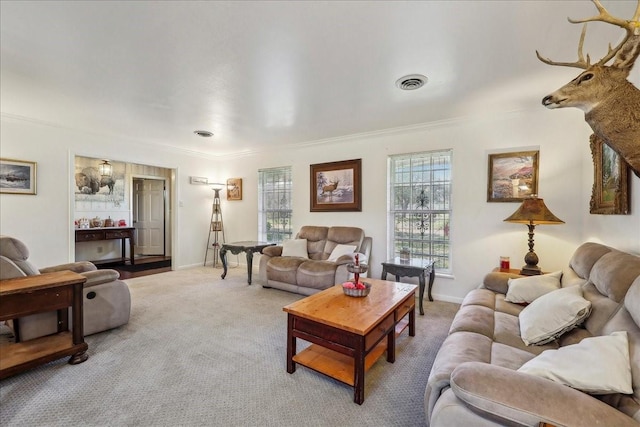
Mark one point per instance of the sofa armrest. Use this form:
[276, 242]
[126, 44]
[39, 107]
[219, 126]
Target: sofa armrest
[272, 251]
[76, 267]
[498, 282]
[523, 399]
[98, 277]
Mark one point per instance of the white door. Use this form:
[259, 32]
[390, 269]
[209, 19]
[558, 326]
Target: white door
[148, 216]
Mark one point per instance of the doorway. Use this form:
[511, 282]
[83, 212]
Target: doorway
[149, 213]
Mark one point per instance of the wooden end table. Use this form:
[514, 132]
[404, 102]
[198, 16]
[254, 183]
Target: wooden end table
[348, 334]
[414, 267]
[36, 294]
[249, 247]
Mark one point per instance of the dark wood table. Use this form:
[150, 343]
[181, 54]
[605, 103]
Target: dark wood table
[249, 247]
[110, 233]
[36, 294]
[348, 334]
[414, 267]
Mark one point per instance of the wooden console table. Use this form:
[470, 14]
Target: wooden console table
[110, 233]
[36, 294]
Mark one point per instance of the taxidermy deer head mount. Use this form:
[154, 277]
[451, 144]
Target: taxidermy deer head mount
[610, 102]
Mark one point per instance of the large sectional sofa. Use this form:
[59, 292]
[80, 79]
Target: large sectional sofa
[312, 268]
[485, 375]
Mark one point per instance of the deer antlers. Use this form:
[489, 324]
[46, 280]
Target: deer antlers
[631, 26]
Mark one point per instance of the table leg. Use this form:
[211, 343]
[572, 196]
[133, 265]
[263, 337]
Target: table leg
[383, 276]
[78, 331]
[249, 264]
[223, 258]
[412, 323]
[358, 380]
[432, 277]
[421, 295]
[391, 346]
[131, 250]
[291, 345]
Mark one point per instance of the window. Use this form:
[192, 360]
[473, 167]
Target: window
[274, 204]
[420, 206]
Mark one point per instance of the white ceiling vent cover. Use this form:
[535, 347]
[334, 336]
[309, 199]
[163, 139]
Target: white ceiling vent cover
[411, 82]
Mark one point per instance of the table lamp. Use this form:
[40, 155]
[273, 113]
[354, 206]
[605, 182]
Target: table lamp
[532, 212]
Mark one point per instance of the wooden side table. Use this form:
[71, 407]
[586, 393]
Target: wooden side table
[415, 267]
[36, 294]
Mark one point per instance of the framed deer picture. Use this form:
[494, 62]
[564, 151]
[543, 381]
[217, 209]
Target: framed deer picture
[336, 186]
[610, 193]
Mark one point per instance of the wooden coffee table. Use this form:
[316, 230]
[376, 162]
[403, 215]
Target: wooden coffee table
[348, 333]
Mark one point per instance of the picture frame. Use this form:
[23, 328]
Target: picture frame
[17, 176]
[513, 176]
[199, 180]
[336, 186]
[234, 189]
[610, 192]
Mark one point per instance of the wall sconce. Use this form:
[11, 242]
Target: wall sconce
[532, 212]
[105, 168]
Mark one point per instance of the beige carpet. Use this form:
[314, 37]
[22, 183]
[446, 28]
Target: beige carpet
[200, 351]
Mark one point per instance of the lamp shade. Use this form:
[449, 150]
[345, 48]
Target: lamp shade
[217, 185]
[534, 211]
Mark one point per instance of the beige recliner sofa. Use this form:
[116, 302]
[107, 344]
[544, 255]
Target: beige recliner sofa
[475, 380]
[310, 275]
[106, 304]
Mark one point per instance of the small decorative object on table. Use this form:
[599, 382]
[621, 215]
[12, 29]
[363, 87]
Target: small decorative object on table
[405, 256]
[356, 288]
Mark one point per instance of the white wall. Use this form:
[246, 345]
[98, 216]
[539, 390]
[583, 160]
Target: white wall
[479, 236]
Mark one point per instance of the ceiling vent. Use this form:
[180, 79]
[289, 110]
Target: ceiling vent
[411, 82]
[203, 133]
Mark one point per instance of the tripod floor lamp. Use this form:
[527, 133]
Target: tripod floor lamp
[216, 226]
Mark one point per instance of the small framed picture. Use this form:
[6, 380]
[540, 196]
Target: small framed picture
[234, 189]
[610, 192]
[199, 180]
[17, 177]
[512, 176]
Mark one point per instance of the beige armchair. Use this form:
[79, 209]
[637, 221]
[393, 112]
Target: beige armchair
[107, 301]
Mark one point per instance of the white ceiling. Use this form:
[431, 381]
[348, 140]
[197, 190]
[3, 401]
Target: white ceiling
[266, 75]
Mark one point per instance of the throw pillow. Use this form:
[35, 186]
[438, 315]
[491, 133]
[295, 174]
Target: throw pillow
[553, 314]
[527, 289]
[295, 248]
[340, 250]
[597, 365]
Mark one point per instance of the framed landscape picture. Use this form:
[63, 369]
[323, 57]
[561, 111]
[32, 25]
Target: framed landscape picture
[610, 192]
[512, 176]
[336, 186]
[17, 177]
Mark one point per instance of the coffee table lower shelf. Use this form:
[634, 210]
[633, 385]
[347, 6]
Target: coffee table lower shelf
[339, 366]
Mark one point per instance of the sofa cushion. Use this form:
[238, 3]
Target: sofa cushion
[295, 248]
[316, 240]
[316, 274]
[553, 314]
[598, 365]
[585, 256]
[340, 250]
[527, 289]
[613, 274]
[284, 269]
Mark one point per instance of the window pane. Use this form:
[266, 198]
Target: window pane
[274, 204]
[420, 206]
